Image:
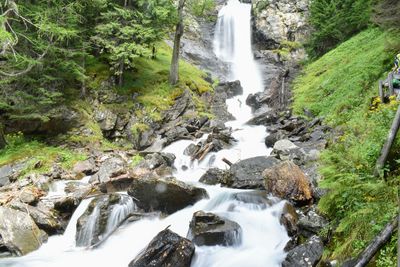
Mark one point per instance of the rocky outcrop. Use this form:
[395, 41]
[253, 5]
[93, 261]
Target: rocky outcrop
[9, 173]
[58, 120]
[247, 174]
[45, 218]
[286, 180]
[305, 255]
[277, 21]
[208, 229]
[111, 167]
[18, 232]
[213, 176]
[164, 194]
[166, 249]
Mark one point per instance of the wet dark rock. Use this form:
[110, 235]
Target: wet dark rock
[289, 219]
[176, 133]
[44, 217]
[111, 167]
[311, 223]
[191, 150]
[231, 89]
[19, 233]
[101, 218]
[265, 118]
[164, 194]
[247, 174]
[166, 249]
[272, 138]
[217, 104]
[305, 255]
[258, 100]
[208, 229]
[182, 103]
[213, 176]
[286, 180]
[144, 138]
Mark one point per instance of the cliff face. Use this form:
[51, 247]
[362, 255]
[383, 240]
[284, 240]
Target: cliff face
[281, 23]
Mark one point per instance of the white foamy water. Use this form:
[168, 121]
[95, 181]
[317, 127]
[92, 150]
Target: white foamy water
[263, 238]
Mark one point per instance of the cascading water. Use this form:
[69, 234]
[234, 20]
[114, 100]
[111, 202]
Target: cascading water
[263, 238]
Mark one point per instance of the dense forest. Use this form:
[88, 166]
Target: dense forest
[86, 81]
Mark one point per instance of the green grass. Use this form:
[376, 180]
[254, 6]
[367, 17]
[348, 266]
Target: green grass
[33, 151]
[150, 80]
[339, 87]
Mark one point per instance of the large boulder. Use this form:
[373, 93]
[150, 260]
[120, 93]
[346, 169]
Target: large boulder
[45, 218]
[19, 233]
[166, 249]
[247, 174]
[213, 176]
[102, 217]
[305, 255]
[106, 119]
[264, 118]
[286, 180]
[231, 89]
[208, 229]
[111, 167]
[164, 194]
[9, 173]
[158, 164]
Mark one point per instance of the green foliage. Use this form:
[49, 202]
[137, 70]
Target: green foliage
[339, 87]
[33, 151]
[150, 81]
[203, 8]
[136, 160]
[386, 14]
[334, 21]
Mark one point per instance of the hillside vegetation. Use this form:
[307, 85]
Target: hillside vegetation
[341, 86]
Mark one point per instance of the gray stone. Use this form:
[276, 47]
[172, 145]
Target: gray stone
[213, 176]
[19, 232]
[208, 229]
[111, 167]
[247, 174]
[107, 119]
[305, 255]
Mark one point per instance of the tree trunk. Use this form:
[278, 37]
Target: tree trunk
[121, 73]
[381, 239]
[3, 142]
[174, 71]
[380, 163]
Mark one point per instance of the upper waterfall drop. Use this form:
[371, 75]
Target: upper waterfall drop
[232, 44]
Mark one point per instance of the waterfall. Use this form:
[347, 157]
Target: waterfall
[263, 237]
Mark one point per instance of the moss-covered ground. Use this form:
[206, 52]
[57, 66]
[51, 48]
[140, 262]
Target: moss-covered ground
[341, 87]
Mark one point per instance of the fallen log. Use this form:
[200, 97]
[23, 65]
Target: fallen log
[229, 163]
[381, 239]
[380, 163]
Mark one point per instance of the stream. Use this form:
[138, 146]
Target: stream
[263, 238]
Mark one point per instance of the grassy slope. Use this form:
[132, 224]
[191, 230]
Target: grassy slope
[339, 86]
[149, 80]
